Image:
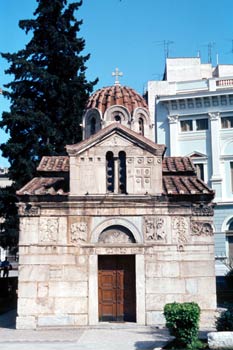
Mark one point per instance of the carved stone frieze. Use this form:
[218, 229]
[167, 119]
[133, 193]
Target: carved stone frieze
[180, 230]
[112, 250]
[201, 229]
[202, 210]
[29, 210]
[115, 236]
[49, 229]
[78, 232]
[154, 229]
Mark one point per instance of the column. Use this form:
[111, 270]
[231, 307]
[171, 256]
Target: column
[173, 149]
[216, 179]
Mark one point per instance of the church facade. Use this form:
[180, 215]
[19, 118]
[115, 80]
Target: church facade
[114, 230]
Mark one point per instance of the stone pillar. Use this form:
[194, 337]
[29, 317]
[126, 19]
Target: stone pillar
[140, 289]
[93, 290]
[173, 132]
[216, 179]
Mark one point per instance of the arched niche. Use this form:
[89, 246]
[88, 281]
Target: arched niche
[117, 114]
[92, 122]
[123, 223]
[116, 234]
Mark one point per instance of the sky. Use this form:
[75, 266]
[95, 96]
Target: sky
[130, 35]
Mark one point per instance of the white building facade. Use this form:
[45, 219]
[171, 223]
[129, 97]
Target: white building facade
[193, 110]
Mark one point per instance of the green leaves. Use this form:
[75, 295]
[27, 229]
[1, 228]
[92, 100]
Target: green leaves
[182, 320]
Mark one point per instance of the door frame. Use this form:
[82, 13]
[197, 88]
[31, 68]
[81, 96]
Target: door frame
[93, 302]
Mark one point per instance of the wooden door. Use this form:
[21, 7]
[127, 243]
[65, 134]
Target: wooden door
[117, 296]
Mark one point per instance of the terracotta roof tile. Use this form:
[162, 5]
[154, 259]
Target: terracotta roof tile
[177, 164]
[54, 164]
[184, 185]
[45, 186]
[109, 96]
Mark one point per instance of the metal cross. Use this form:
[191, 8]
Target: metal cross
[117, 74]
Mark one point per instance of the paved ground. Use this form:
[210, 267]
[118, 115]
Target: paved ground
[105, 337]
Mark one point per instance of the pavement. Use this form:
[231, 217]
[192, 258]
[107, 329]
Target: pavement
[107, 336]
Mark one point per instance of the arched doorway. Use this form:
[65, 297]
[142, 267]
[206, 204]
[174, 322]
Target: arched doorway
[116, 278]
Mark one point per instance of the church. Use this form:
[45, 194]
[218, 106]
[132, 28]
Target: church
[114, 230]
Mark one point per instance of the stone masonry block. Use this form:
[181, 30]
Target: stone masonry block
[28, 322]
[162, 269]
[32, 307]
[68, 289]
[27, 290]
[165, 285]
[33, 273]
[71, 306]
[199, 269]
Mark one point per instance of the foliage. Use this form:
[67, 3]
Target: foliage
[9, 218]
[49, 91]
[225, 321]
[182, 320]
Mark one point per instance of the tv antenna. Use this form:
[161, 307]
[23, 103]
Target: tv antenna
[166, 46]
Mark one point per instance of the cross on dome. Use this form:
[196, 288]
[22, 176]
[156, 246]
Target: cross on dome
[117, 74]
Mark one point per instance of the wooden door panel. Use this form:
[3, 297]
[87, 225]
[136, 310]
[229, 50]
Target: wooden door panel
[117, 294]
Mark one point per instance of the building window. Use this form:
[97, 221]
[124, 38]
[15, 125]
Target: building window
[141, 126]
[229, 236]
[122, 172]
[117, 118]
[110, 171]
[231, 166]
[186, 125]
[200, 170]
[202, 124]
[227, 122]
[93, 126]
[116, 172]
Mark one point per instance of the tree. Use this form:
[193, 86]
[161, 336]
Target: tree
[48, 93]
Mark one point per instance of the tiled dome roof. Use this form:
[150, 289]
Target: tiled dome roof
[109, 96]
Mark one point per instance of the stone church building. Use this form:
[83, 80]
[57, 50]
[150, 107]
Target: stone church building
[114, 230]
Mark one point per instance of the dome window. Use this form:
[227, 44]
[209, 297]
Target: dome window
[117, 118]
[93, 126]
[141, 126]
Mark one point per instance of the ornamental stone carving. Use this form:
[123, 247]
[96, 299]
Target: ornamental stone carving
[201, 229]
[78, 232]
[48, 229]
[115, 236]
[180, 229]
[203, 210]
[154, 229]
[29, 210]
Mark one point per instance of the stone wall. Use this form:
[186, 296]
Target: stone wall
[58, 264]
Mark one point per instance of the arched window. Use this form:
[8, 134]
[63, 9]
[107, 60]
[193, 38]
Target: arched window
[141, 126]
[117, 118]
[231, 226]
[122, 172]
[93, 126]
[110, 171]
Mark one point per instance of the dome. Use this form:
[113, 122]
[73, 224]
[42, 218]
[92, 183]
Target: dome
[109, 96]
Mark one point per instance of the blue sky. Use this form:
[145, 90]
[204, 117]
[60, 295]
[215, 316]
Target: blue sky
[129, 34]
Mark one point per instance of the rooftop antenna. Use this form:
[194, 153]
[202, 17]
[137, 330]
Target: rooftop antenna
[211, 45]
[117, 74]
[166, 46]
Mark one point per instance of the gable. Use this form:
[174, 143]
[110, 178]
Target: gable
[120, 133]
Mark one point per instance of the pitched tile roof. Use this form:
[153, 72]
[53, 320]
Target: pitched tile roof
[177, 165]
[45, 186]
[54, 164]
[184, 185]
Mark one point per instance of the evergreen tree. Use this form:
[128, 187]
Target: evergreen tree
[49, 91]
[48, 95]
